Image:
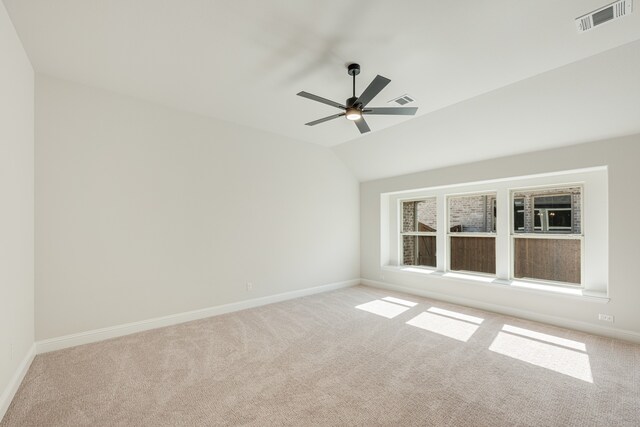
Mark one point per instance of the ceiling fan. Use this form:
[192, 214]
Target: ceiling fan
[355, 106]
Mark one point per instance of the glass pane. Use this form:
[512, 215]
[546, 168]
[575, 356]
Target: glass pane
[550, 202]
[419, 250]
[547, 259]
[559, 219]
[554, 210]
[419, 216]
[494, 212]
[473, 254]
[518, 214]
[472, 214]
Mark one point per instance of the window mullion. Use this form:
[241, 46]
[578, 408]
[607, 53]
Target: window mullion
[441, 239]
[503, 249]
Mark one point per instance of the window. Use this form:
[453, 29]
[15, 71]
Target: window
[418, 233]
[472, 236]
[547, 234]
[527, 232]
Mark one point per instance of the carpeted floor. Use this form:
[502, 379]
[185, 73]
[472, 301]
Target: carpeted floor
[358, 356]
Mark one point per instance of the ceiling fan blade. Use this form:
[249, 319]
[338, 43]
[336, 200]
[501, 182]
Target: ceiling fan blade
[321, 99]
[362, 125]
[392, 111]
[373, 89]
[325, 119]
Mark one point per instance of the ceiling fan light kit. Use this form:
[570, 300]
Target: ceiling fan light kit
[354, 108]
[353, 114]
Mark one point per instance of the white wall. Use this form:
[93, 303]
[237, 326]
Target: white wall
[144, 211]
[620, 155]
[16, 205]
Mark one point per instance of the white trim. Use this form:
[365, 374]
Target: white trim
[497, 180]
[531, 286]
[552, 236]
[471, 234]
[95, 335]
[419, 233]
[510, 311]
[14, 383]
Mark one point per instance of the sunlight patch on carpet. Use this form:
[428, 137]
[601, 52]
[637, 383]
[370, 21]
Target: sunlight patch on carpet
[383, 308]
[547, 351]
[457, 329]
[576, 345]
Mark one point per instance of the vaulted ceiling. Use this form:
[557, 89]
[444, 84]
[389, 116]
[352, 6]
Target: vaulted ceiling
[490, 77]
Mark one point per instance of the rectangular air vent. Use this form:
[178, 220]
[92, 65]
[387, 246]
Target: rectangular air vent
[607, 13]
[402, 100]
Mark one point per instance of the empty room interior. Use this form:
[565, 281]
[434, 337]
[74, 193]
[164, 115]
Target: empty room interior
[319, 213]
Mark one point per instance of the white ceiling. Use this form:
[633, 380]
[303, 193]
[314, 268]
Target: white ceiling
[491, 77]
[244, 61]
[589, 100]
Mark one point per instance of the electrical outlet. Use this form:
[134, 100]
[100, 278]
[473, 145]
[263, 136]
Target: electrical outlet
[249, 286]
[605, 317]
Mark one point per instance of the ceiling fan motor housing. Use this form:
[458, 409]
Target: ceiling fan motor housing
[351, 102]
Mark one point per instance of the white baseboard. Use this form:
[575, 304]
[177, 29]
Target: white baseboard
[14, 383]
[510, 311]
[95, 335]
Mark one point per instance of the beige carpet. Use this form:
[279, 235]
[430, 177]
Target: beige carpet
[347, 357]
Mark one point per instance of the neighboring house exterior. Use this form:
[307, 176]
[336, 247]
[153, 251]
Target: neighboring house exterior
[533, 212]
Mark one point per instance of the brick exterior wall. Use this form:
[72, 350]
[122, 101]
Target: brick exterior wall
[408, 250]
[576, 206]
[408, 216]
[427, 213]
[472, 213]
[424, 210]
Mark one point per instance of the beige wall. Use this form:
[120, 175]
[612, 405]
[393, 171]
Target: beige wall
[143, 211]
[16, 204]
[620, 155]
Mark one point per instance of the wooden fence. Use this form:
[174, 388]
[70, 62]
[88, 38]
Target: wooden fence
[473, 254]
[547, 259]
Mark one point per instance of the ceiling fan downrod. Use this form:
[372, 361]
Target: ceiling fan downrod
[353, 70]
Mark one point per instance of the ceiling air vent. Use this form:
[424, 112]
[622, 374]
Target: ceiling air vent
[607, 13]
[402, 100]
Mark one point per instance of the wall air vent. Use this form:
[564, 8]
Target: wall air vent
[402, 100]
[607, 13]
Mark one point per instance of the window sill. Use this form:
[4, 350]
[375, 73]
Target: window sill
[526, 286]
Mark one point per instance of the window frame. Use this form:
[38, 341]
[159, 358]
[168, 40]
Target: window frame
[482, 234]
[594, 269]
[546, 235]
[403, 233]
